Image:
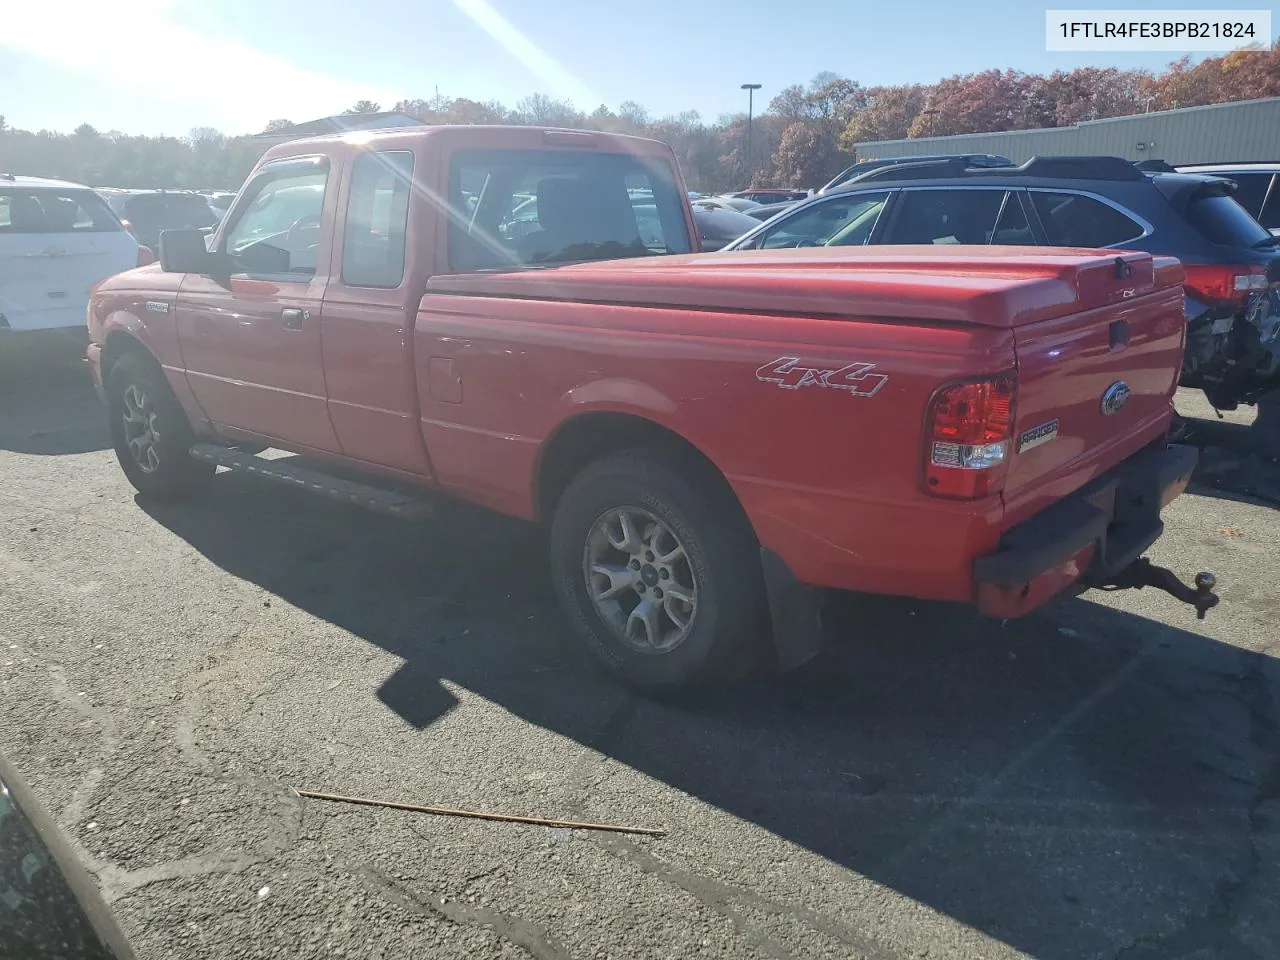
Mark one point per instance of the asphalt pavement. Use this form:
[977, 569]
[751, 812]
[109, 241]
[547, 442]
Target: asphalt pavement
[1097, 780]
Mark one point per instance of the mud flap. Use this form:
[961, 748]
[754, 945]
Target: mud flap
[795, 610]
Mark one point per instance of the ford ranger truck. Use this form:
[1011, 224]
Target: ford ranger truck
[518, 317]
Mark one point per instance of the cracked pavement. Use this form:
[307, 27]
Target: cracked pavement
[1097, 780]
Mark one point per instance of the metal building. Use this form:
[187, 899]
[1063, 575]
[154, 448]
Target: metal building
[1245, 131]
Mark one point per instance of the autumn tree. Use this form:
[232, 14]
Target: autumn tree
[887, 114]
[974, 103]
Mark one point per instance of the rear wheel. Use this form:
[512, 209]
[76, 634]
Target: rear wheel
[150, 432]
[659, 574]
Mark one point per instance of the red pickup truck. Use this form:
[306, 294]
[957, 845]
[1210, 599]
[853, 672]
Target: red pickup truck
[513, 316]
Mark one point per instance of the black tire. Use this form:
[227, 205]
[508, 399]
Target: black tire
[726, 636]
[172, 474]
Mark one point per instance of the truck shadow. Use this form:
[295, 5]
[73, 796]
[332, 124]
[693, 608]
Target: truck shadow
[47, 402]
[1057, 783]
[1235, 462]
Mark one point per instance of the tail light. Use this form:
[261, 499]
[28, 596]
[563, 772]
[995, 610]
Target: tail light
[968, 434]
[1225, 283]
[145, 255]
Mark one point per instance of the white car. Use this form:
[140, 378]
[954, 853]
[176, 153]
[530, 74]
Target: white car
[56, 241]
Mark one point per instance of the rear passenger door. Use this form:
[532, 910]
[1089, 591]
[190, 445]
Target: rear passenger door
[368, 314]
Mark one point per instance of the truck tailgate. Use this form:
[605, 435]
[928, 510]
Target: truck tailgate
[1096, 385]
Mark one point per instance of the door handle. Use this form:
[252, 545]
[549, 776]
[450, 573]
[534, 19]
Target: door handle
[291, 318]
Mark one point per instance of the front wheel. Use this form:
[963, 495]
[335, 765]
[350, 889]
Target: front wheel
[150, 432]
[659, 574]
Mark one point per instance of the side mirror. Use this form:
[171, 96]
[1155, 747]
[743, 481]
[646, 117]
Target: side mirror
[183, 251]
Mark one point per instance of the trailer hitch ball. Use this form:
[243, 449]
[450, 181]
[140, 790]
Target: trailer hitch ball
[1143, 573]
[1205, 597]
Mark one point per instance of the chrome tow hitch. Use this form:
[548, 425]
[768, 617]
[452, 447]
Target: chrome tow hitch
[1143, 573]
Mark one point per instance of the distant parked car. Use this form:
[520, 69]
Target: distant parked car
[864, 166]
[767, 210]
[219, 200]
[57, 240]
[1257, 187]
[719, 227]
[1232, 287]
[737, 204]
[771, 195]
[148, 212]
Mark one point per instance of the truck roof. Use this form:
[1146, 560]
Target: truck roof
[984, 286]
[481, 136]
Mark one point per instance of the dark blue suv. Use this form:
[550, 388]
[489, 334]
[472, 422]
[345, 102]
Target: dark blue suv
[1232, 262]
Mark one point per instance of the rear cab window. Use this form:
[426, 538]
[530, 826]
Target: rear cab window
[514, 208]
[48, 210]
[1219, 219]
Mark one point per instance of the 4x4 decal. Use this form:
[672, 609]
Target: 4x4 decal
[856, 378]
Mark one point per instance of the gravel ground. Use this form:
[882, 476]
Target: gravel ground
[1097, 780]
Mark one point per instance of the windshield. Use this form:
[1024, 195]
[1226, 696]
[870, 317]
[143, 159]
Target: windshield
[1223, 221]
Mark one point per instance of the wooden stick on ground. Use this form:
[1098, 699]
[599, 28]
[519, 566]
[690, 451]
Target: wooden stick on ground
[477, 815]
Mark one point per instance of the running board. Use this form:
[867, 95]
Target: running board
[393, 504]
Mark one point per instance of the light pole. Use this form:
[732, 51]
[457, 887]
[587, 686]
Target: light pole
[751, 88]
[930, 113]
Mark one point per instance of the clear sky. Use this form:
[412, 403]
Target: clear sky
[165, 66]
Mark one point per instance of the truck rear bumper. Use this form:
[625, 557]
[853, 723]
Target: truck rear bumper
[1090, 536]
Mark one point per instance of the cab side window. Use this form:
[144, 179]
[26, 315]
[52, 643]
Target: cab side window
[377, 219]
[278, 225]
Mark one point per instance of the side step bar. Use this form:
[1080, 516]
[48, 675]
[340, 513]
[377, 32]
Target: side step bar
[389, 502]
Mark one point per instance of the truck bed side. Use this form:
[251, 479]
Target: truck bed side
[813, 463]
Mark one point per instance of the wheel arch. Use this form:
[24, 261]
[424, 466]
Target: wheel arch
[119, 343]
[591, 435]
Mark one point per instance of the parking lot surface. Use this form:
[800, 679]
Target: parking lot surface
[1097, 780]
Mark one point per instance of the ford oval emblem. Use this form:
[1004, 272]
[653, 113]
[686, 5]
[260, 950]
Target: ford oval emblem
[1115, 397]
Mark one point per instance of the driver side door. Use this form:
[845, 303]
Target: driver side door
[251, 340]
